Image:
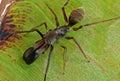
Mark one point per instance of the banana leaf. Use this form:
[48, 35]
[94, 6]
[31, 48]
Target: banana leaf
[101, 42]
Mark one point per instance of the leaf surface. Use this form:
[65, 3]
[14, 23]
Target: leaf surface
[100, 42]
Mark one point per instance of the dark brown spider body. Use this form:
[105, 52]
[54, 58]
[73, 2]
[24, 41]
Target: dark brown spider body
[52, 36]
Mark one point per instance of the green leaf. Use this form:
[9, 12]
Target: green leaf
[100, 42]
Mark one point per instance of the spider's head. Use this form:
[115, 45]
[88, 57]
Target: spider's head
[76, 16]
